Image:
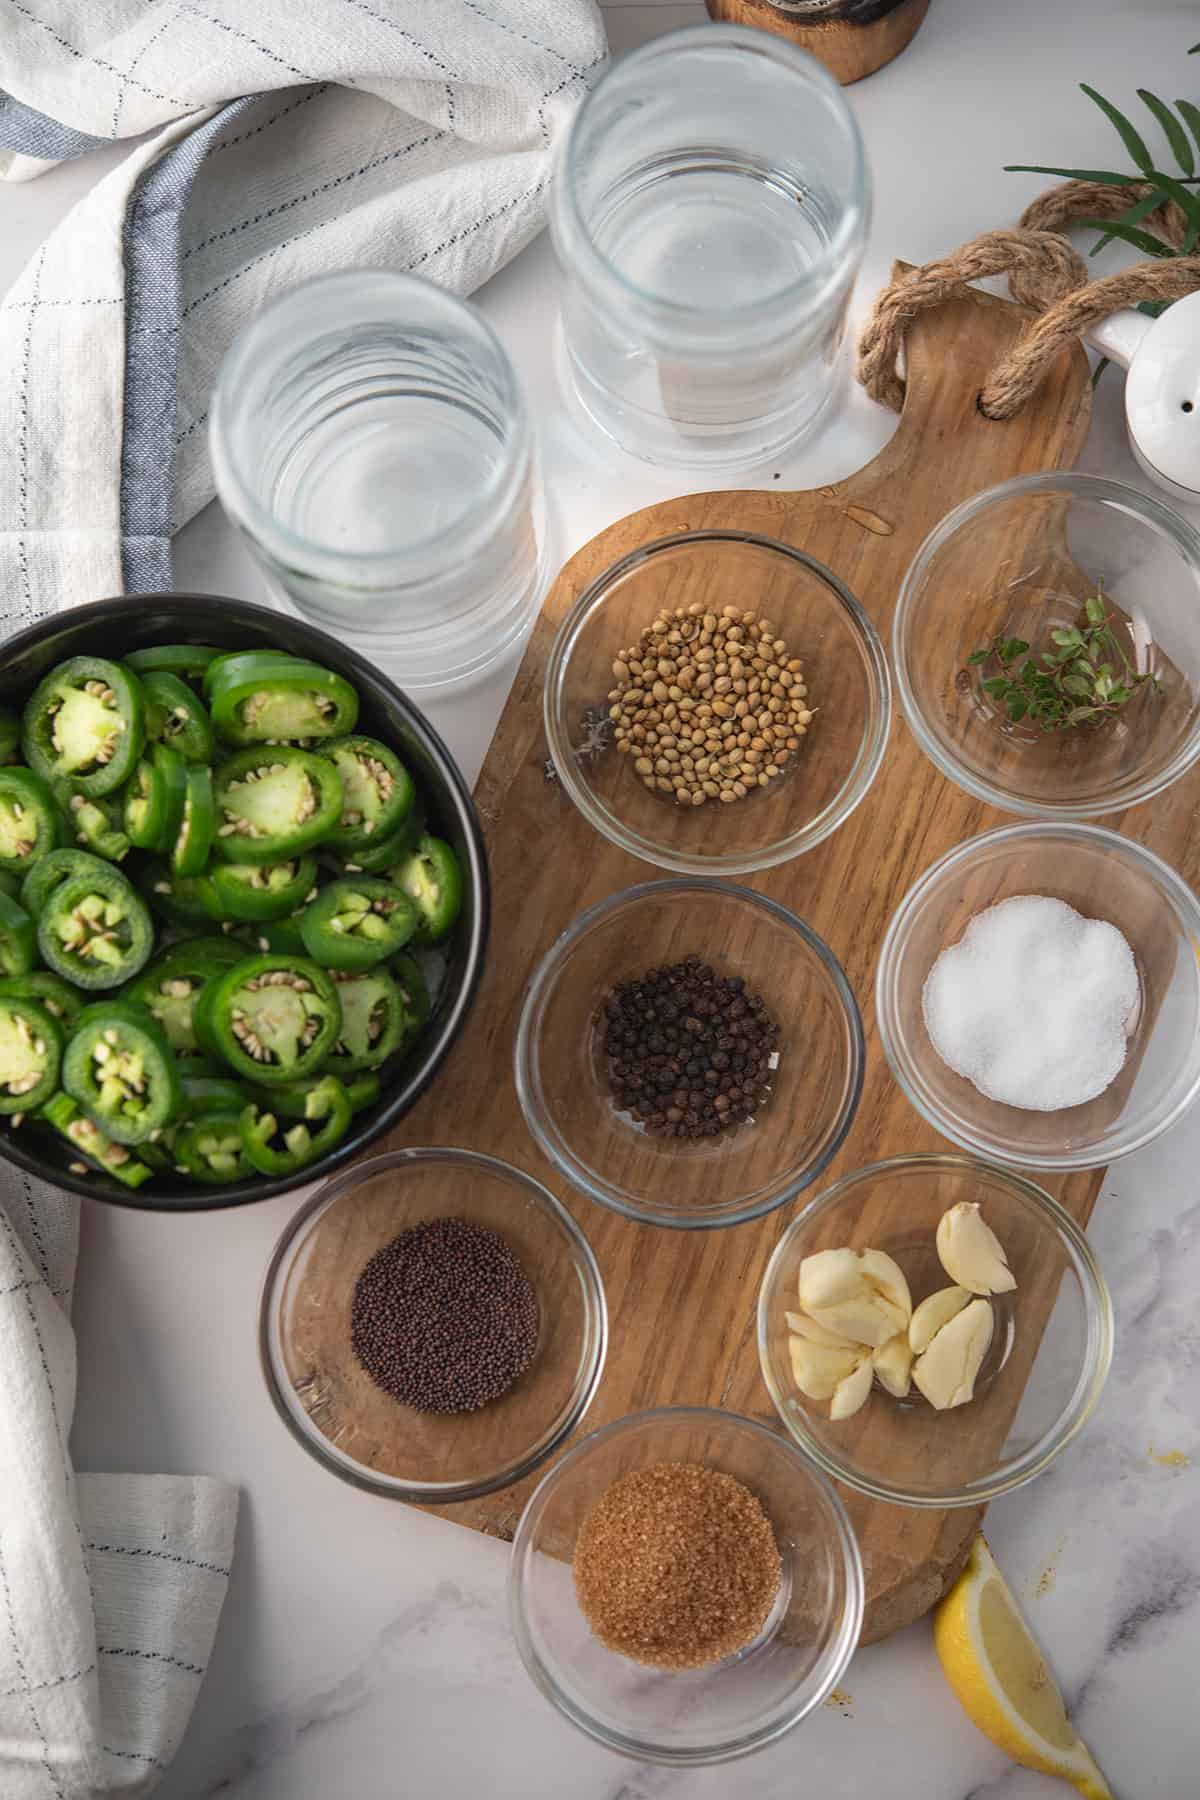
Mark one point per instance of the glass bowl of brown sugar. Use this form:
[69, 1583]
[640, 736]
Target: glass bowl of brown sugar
[432, 1325]
[716, 702]
[751, 1626]
[689, 1054]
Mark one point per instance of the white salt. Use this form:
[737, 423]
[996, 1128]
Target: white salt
[1033, 1003]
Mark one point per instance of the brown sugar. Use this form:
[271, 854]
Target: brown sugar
[677, 1565]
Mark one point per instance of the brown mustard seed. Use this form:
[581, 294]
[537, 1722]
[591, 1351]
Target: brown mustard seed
[746, 677]
[676, 1565]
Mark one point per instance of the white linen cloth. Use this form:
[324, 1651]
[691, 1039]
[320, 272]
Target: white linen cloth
[290, 138]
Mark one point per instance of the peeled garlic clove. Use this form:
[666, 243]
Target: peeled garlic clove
[817, 1368]
[886, 1276]
[808, 1328]
[970, 1251]
[827, 1277]
[851, 1392]
[893, 1365]
[933, 1313]
[867, 1319]
[946, 1372]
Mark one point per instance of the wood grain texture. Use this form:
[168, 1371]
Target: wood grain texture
[682, 1304]
[848, 51]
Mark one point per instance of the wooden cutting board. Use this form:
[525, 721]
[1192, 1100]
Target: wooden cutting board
[548, 865]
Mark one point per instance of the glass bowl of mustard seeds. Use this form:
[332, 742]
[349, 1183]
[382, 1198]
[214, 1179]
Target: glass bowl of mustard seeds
[685, 1587]
[432, 1325]
[716, 702]
[689, 1054]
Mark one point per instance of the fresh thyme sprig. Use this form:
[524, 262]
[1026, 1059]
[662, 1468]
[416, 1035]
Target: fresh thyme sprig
[1083, 680]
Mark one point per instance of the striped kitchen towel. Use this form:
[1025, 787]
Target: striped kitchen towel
[288, 138]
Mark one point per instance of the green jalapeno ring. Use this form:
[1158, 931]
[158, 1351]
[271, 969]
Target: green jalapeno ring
[120, 1069]
[208, 1148]
[85, 722]
[168, 986]
[378, 858]
[189, 854]
[212, 1093]
[265, 891]
[357, 922]
[10, 735]
[184, 901]
[326, 1099]
[187, 660]
[375, 1021]
[362, 1090]
[259, 697]
[18, 938]
[274, 802]
[95, 823]
[409, 978]
[146, 812]
[31, 1042]
[272, 1018]
[51, 992]
[176, 716]
[432, 879]
[378, 792]
[86, 1137]
[95, 930]
[29, 821]
[50, 871]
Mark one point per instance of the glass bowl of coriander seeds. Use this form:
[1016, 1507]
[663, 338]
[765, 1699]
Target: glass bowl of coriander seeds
[717, 702]
[432, 1325]
[755, 1619]
[689, 1054]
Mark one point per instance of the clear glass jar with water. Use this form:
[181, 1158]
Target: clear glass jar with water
[709, 213]
[370, 439]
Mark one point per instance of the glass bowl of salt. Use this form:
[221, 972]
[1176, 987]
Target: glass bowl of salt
[1038, 996]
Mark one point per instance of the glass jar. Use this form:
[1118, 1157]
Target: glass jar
[709, 213]
[370, 439]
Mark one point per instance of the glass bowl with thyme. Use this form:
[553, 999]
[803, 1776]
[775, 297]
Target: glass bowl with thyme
[1047, 646]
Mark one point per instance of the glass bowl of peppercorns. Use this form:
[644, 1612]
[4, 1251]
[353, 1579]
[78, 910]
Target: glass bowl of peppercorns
[689, 1054]
[716, 702]
[432, 1325]
[685, 1587]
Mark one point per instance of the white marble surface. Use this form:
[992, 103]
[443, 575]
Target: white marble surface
[364, 1648]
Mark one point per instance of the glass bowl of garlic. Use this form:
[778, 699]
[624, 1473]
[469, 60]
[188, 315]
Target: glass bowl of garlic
[934, 1331]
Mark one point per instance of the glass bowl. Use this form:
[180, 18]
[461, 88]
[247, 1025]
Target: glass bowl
[845, 669]
[562, 1078]
[705, 1715]
[1039, 1381]
[1017, 562]
[1102, 876]
[324, 1395]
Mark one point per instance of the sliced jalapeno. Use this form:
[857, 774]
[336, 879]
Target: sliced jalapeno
[30, 1054]
[96, 824]
[382, 856]
[209, 1149]
[120, 1069]
[432, 879]
[85, 1136]
[274, 803]
[57, 996]
[176, 716]
[409, 977]
[375, 1022]
[10, 735]
[281, 1150]
[272, 1018]
[186, 901]
[187, 660]
[362, 1090]
[259, 698]
[94, 930]
[29, 820]
[212, 1093]
[357, 922]
[145, 808]
[85, 723]
[18, 938]
[280, 936]
[377, 791]
[264, 891]
[198, 824]
[50, 871]
[168, 986]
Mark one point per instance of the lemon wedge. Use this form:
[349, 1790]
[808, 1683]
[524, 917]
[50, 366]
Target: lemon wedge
[992, 1661]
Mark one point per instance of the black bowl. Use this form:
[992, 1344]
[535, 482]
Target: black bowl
[113, 628]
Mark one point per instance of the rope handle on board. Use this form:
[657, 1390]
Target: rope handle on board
[1046, 273]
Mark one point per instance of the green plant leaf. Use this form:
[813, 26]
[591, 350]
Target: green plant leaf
[978, 656]
[998, 686]
[1013, 648]
[1145, 241]
[1078, 685]
[1112, 176]
[1132, 139]
[1141, 209]
[1176, 136]
[1018, 706]
[1191, 117]
[1095, 609]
